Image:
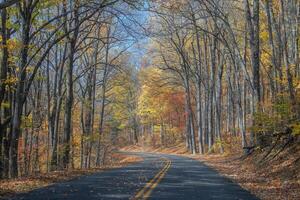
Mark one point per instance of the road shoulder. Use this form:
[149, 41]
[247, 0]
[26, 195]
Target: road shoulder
[11, 187]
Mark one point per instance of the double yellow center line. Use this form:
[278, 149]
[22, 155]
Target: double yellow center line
[145, 192]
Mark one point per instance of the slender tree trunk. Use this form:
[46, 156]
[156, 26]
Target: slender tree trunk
[20, 96]
[4, 120]
[57, 101]
[103, 96]
[69, 94]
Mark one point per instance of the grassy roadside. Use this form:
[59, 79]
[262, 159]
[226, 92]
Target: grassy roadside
[10, 187]
[276, 179]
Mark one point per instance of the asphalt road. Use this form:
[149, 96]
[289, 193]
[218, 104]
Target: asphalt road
[159, 177]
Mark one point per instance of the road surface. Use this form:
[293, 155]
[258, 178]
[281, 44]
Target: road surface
[159, 176]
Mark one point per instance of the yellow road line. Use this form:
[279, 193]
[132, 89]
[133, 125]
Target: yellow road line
[149, 187]
[152, 184]
[148, 193]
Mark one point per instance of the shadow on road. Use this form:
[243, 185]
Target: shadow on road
[185, 179]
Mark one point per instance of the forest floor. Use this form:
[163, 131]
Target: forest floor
[269, 179]
[10, 187]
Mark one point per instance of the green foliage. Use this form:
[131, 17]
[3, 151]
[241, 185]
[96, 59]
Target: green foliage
[5, 105]
[217, 146]
[283, 108]
[27, 121]
[274, 117]
[264, 122]
[296, 129]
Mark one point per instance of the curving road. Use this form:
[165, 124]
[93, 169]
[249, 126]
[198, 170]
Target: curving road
[159, 176]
